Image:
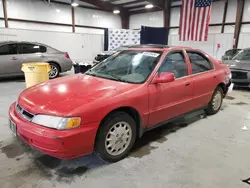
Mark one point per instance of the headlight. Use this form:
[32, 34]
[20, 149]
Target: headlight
[57, 122]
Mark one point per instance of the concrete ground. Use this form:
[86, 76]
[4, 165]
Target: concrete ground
[200, 152]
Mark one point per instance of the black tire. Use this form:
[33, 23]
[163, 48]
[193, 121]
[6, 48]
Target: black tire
[103, 131]
[211, 110]
[56, 68]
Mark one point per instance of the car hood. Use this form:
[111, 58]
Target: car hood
[236, 64]
[63, 95]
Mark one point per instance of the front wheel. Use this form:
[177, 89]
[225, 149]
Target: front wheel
[216, 101]
[55, 71]
[116, 137]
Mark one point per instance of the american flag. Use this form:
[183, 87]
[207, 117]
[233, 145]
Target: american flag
[194, 20]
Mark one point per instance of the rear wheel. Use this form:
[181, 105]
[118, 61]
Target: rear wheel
[216, 101]
[116, 137]
[55, 71]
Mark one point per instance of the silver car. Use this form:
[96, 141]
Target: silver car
[229, 54]
[240, 68]
[13, 54]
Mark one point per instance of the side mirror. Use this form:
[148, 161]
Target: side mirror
[164, 77]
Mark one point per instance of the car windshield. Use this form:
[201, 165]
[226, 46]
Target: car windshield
[232, 52]
[127, 66]
[242, 55]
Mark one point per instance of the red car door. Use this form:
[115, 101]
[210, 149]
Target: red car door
[168, 100]
[203, 74]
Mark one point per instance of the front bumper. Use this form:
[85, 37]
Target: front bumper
[64, 144]
[241, 82]
[240, 78]
[227, 89]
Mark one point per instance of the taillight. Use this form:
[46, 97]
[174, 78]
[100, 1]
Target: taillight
[67, 55]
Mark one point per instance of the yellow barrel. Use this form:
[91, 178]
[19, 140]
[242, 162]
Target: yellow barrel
[35, 73]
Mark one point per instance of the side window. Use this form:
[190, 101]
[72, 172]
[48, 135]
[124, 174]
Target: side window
[4, 50]
[175, 63]
[32, 48]
[8, 49]
[42, 49]
[199, 63]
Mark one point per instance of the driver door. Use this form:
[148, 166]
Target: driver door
[168, 100]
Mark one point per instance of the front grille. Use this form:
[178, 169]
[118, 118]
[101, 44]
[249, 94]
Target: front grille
[24, 113]
[239, 75]
[241, 84]
[18, 108]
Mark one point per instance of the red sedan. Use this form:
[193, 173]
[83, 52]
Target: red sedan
[108, 107]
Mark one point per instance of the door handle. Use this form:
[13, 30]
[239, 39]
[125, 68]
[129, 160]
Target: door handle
[187, 84]
[13, 58]
[42, 56]
[215, 76]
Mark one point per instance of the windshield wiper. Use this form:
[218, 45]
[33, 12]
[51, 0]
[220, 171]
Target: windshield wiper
[114, 77]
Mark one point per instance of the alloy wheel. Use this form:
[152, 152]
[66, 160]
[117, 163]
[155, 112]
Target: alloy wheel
[54, 71]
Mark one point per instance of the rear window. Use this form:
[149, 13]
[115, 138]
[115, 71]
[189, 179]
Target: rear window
[32, 48]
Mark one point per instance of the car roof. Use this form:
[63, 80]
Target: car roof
[159, 47]
[149, 46]
[6, 42]
[246, 48]
[236, 49]
[27, 42]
